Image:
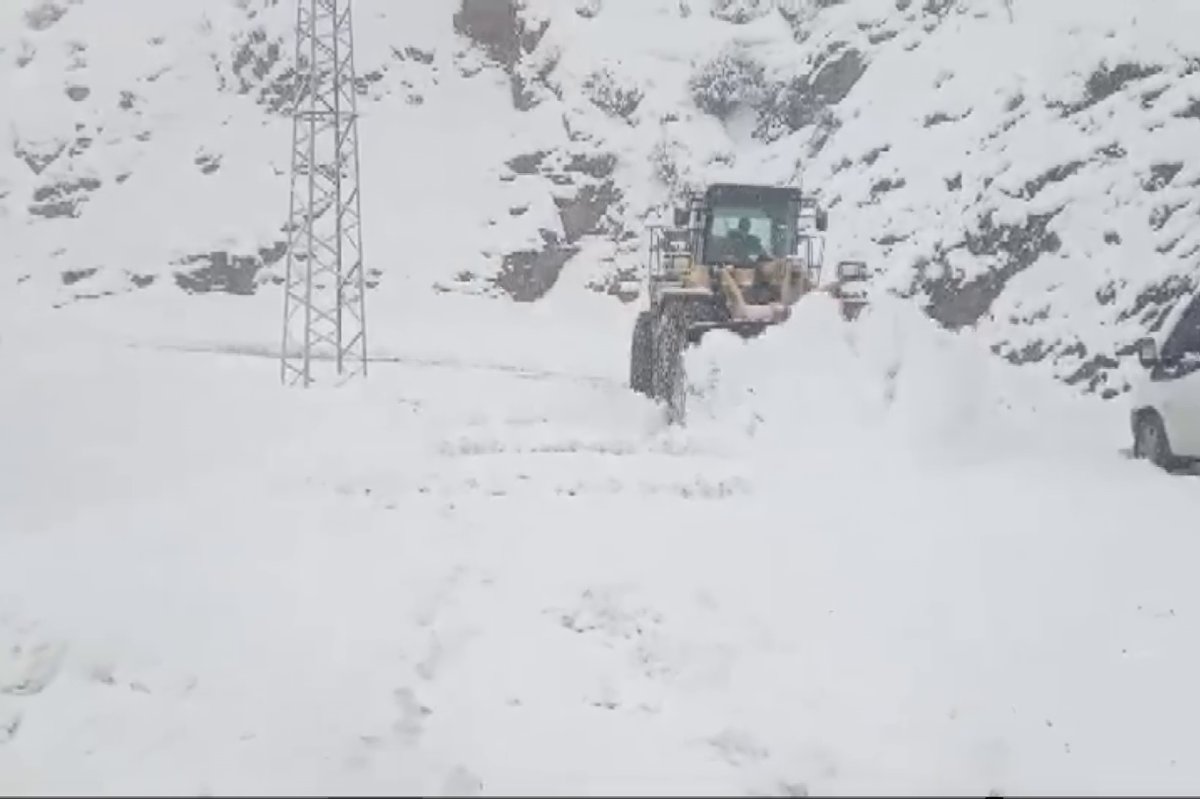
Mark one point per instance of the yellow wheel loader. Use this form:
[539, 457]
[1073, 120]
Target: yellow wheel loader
[737, 258]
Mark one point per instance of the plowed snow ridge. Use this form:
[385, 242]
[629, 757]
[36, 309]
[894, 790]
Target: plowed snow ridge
[892, 382]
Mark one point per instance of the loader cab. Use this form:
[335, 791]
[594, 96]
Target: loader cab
[744, 225]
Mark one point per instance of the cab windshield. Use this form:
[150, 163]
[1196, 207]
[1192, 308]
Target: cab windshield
[746, 235]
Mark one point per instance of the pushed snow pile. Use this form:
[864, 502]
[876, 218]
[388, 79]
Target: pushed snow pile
[892, 381]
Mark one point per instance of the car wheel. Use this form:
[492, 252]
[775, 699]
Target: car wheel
[1150, 441]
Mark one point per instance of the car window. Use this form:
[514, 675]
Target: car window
[1185, 338]
[769, 225]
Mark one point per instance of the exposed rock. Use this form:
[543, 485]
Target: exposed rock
[506, 37]
[279, 95]
[80, 146]
[886, 185]
[254, 59]
[941, 118]
[1106, 81]
[497, 28]
[1107, 294]
[1154, 303]
[524, 98]
[937, 8]
[528, 275]
[1161, 174]
[1191, 110]
[1163, 213]
[1055, 175]
[73, 276]
[871, 157]
[255, 66]
[584, 213]
[801, 101]
[493, 25]
[527, 163]
[63, 199]
[43, 14]
[78, 93]
[955, 303]
[417, 54]
[208, 162]
[1092, 374]
[225, 272]
[599, 166]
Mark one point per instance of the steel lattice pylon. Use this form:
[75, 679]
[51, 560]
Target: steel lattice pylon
[324, 313]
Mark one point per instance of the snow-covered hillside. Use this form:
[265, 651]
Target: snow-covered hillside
[1018, 165]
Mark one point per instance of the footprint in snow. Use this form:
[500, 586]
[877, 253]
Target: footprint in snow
[27, 671]
[10, 724]
[737, 747]
[411, 715]
[461, 781]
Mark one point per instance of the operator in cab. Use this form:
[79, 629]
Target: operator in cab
[744, 245]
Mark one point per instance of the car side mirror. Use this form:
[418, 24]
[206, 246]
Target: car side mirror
[822, 220]
[1147, 352]
[682, 217]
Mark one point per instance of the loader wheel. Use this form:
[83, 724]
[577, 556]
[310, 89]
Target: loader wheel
[670, 381]
[641, 355]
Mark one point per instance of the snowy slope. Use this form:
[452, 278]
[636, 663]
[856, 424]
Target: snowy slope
[1016, 165]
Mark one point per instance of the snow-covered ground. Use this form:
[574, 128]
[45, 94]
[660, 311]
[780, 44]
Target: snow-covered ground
[878, 560]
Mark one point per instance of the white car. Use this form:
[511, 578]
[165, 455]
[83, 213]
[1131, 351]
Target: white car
[1166, 398]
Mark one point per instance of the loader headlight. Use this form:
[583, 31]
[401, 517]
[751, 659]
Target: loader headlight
[851, 270]
[679, 264]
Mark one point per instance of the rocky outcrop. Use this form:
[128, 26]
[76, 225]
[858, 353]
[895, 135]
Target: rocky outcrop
[501, 31]
[735, 79]
[958, 303]
[584, 193]
[803, 100]
[221, 271]
[527, 275]
[62, 199]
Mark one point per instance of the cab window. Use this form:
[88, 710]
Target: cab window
[767, 229]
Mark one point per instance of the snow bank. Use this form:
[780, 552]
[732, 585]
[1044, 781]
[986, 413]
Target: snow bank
[891, 382]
